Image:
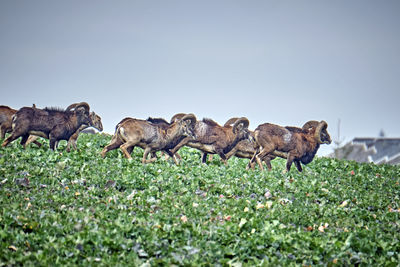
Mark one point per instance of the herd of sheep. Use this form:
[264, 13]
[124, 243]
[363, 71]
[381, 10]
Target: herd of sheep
[266, 142]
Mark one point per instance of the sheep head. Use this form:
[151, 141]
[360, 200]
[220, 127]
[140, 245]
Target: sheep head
[177, 116]
[321, 134]
[96, 121]
[82, 110]
[240, 128]
[188, 122]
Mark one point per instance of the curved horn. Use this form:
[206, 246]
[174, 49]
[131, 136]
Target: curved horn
[230, 121]
[310, 124]
[239, 121]
[84, 105]
[191, 117]
[322, 125]
[177, 117]
[72, 106]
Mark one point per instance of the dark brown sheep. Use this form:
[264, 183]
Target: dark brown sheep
[95, 123]
[51, 123]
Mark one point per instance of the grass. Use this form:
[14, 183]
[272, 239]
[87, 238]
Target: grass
[59, 208]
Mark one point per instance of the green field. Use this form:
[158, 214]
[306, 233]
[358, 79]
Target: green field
[59, 208]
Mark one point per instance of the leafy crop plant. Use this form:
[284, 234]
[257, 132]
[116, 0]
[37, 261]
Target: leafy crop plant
[59, 208]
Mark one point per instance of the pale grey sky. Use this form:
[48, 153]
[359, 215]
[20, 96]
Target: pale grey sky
[284, 62]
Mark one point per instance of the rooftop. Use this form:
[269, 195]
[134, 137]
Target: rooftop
[377, 150]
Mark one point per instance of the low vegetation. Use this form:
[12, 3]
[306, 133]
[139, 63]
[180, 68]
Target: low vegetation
[59, 208]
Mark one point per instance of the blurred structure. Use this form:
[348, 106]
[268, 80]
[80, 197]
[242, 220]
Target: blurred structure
[377, 150]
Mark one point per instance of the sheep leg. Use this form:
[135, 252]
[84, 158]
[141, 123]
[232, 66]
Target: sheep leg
[221, 153]
[32, 139]
[267, 161]
[178, 156]
[24, 139]
[153, 156]
[72, 141]
[53, 143]
[9, 139]
[168, 154]
[176, 160]
[2, 132]
[116, 142]
[290, 159]
[253, 158]
[146, 152]
[69, 145]
[36, 143]
[231, 153]
[259, 163]
[264, 153]
[250, 165]
[124, 148]
[16, 133]
[183, 142]
[204, 157]
[298, 165]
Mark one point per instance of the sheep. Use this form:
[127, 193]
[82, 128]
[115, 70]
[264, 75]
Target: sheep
[244, 148]
[96, 123]
[51, 123]
[150, 136]
[116, 141]
[247, 147]
[298, 145]
[210, 137]
[171, 145]
[6, 114]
